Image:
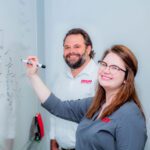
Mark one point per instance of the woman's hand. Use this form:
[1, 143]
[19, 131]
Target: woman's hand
[40, 88]
[32, 67]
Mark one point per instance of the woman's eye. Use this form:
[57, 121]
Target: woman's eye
[103, 64]
[114, 67]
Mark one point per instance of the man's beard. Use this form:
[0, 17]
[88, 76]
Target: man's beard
[78, 63]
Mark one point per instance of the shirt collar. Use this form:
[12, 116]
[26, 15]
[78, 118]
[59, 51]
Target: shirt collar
[88, 69]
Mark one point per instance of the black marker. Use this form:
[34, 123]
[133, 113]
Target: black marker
[28, 62]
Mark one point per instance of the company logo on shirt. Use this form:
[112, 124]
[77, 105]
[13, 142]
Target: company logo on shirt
[86, 81]
[106, 120]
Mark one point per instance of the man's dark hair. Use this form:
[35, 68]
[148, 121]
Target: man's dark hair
[86, 38]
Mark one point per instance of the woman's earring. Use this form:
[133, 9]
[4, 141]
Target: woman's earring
[124, 82]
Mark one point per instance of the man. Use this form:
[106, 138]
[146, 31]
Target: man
[77, 81]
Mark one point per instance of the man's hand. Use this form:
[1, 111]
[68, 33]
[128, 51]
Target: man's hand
[54, 145]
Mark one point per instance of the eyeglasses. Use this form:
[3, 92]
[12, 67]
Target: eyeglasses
[112, 68]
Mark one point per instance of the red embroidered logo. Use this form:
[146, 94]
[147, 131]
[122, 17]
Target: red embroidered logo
[106, 119]
[86, 81]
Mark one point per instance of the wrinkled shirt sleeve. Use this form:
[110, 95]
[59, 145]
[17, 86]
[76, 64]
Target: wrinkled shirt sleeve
[72, 110]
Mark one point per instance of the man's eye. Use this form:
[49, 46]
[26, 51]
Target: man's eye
[77, 46]
[66, 47]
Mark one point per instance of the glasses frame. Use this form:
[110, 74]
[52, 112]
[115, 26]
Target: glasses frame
[105, 65]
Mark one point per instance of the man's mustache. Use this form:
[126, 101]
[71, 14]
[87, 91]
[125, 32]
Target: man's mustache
[73, 54]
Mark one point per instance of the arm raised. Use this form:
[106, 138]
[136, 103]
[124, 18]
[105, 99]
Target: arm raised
[38, 85]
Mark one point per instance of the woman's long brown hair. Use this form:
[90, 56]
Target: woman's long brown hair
[127, 91]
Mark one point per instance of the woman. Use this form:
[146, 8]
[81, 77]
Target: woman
[113, 119]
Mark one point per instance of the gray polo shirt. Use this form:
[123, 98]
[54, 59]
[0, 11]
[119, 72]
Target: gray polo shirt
[125, 129]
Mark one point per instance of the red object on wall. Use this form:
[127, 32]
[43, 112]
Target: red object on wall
[40, 125]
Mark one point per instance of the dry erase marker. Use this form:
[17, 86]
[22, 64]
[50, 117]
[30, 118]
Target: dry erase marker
[28, 62]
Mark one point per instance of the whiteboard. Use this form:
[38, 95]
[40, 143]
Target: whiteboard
[18, 39]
